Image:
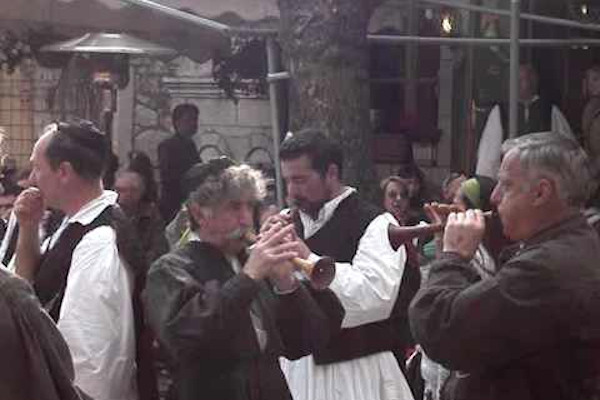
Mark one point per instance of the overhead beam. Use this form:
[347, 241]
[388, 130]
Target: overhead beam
[507, 13]
[197, 20]
[447, 41]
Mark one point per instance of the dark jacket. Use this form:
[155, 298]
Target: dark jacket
[532, 332]
[35, 361]
[200, 310]
[175, 156]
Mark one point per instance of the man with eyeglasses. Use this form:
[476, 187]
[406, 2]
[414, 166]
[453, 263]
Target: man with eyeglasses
[78, 273]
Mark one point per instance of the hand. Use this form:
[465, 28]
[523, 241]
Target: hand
[300, 246]
[464, 232]
[29, 208]
[282, 276]
[279, 218]
[270, 249]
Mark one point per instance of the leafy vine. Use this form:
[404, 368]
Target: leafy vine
[243, 70]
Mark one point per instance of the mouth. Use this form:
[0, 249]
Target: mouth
[239, 234]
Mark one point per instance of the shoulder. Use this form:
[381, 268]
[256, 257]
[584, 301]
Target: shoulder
[103, 235]
[179, 264]
[572, 253]
[360, 208]
[14, 289]
[168, 144]
[176, 259]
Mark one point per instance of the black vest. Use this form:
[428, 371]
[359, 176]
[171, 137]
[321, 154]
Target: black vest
[339, 239]
[539, 118]
[51, 281]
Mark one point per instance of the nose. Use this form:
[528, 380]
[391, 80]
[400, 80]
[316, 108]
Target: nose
[496, 195]
[31, 179]
[246, 215]
[292, 190]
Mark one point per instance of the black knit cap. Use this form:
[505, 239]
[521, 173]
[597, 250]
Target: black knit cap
[199, 172]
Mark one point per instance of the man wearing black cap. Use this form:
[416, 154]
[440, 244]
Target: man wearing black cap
[212, 306]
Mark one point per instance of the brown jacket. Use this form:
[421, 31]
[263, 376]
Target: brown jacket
[35, 362]
[532, 332]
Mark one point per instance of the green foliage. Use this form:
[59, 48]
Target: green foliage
[13, 50]
[244, 69]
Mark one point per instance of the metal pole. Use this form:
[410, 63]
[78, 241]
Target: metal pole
[182, 15]
[507, 13]
[515, 22]
[444, 41]
[273, 66]
[194, 19]
[410, 62]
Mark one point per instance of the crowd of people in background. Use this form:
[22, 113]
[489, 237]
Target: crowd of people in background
[201, 288]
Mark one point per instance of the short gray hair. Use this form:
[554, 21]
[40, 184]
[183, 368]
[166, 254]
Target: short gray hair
[556, 157]
[233, 183]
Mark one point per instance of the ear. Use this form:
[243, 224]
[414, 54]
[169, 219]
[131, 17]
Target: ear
[65, 171]
[333, 173]
[196, 213]
[544, 192]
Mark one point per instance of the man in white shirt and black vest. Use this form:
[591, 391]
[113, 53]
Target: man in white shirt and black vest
[535, 114]
[358, 363]
[77, 272]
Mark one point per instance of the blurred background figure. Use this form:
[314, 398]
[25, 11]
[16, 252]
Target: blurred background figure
[396, 198]
[590, 120]
[536, 114]
[108, 180]
[9, 176]
[451, 184]
[420, 191]
[396, 201]
[141, 163]
[137, 197]
[268, 206]
[475, 193]
[175, 157]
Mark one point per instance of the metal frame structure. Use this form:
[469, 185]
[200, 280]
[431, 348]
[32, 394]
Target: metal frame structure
[514, 42]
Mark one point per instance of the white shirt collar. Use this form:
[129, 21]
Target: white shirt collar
[93, 208]
[311, 226]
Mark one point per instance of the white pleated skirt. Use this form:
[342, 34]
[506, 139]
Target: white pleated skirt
[374, 377]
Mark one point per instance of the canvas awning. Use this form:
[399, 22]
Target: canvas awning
[73, 18]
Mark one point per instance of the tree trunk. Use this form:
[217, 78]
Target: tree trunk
[325, 46]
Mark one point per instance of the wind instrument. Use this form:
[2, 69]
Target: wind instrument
[320, 273]
[399, 235]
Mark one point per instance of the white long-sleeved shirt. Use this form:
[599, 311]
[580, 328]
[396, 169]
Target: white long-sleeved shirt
[367, 288]
[96, 316]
